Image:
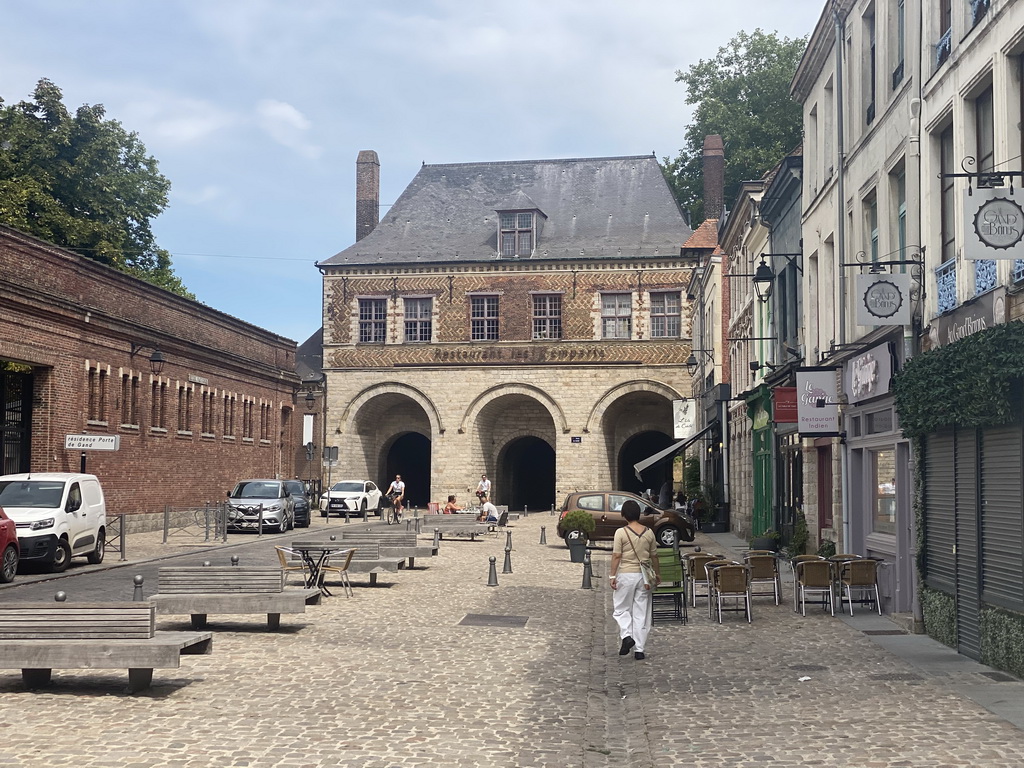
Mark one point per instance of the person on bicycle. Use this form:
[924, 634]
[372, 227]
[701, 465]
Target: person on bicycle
[396, 492]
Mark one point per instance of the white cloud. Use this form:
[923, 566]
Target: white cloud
[287, 126]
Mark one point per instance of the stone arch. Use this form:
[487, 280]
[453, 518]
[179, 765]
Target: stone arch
[357, 403]
[613, 394]
[502, 390]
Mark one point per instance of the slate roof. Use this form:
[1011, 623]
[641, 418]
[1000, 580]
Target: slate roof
[609, 207]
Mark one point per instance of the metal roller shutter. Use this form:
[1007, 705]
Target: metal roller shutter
[968, 567]
[940, 510]
[1002, 516]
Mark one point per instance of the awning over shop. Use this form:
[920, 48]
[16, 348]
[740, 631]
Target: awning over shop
[666, 453]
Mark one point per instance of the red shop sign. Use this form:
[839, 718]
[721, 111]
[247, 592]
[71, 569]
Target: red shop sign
[784, 402]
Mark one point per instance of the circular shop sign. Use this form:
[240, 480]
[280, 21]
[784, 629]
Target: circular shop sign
[999, 223]
[883, 299]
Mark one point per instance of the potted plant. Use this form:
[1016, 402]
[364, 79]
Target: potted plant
[767, 540]
[578, 525]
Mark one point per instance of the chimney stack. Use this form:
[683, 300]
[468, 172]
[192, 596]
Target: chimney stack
[714, 177]
[367, 193]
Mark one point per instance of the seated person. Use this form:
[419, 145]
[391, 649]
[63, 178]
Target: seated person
[451, 506]
[488, 512]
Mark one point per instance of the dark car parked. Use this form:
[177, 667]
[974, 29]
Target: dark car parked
[9, 551]
[297, 490]
[605, 507]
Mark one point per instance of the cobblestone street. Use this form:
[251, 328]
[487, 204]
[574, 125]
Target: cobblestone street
[393, 677]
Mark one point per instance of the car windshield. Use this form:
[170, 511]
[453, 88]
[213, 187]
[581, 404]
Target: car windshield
[348, 487]
[256, 489]
[295, 487]
[43, 494]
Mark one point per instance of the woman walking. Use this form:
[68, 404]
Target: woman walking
[634, 549]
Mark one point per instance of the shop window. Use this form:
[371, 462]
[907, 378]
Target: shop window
[883, 486]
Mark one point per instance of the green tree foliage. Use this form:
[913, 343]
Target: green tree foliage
[743, 95]
[84, 183]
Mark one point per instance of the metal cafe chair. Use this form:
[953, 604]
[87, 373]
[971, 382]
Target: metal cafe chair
[794, 562]
[732, 581]
[814, 577]
[764, 569]
[860, 575]
[671, 589]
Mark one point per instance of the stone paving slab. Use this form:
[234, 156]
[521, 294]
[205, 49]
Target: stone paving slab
[390, 678]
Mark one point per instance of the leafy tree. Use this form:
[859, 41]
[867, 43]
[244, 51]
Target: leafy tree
[84, 183]
[743, 95]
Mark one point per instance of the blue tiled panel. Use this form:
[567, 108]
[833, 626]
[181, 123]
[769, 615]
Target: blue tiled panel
[984, 276]
[945, 279]
[1018, 270]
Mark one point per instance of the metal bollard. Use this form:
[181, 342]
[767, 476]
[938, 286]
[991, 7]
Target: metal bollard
[60, 597]
[137, 592]
[346, 513]
[437, 538]
[507, 567]
[552, 513]
[234, 559]
[333, 537]
[508, 539]
[492, 573]
[586, 571]
[206, 520]
[526, 511]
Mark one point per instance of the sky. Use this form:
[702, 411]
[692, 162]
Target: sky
[257, 109]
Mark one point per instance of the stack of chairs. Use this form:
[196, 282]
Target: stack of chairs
[671, 592]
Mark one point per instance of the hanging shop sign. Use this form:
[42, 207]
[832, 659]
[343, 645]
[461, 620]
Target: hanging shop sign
[817, 401]
[684, 419]
[986, 311]
[784, 410]
[868, 374]
[883, 299]
[994, 225]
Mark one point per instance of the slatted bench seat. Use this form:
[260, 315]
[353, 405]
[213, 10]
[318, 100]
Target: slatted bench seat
[391, 544]
[40, 637]
[461, 524]
[200, 591]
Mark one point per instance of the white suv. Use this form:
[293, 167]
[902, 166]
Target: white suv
[58, 514]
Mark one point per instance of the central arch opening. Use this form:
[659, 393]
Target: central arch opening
[409, 456]
[526, 474]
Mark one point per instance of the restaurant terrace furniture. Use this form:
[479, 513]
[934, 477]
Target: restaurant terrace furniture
[696, 574]
[793, 562]
[814, 577]
[860, 575]
[732, 582]
[341, 571]
[291, 567]
[709, 569]
[764, 569]
[671, 590]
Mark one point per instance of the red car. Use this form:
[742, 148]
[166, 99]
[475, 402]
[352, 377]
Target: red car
[9, 552]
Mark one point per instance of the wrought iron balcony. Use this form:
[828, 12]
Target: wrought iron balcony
[943, 48]
[945, 281]
[984, 276]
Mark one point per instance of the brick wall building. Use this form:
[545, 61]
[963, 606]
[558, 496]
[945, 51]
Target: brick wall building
[76, 338]
[525, 320]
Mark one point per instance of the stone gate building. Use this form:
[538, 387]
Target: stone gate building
[520, 319]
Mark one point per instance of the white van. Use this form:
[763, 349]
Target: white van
[58, 514]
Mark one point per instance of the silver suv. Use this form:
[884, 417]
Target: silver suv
[252, 498]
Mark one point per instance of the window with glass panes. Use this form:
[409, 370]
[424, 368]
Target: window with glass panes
[947, 199]
[665, 315]
[616, 315]
[516, 234]
[484, 318]
[547, 316]
[373, 317]
[418, 314]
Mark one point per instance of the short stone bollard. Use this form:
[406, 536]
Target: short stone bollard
[507, 567]
[234, 559]
[586, 571]
[137, 592]
[492, 573]
[61, 597]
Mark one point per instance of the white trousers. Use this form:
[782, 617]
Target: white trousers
[631, 608]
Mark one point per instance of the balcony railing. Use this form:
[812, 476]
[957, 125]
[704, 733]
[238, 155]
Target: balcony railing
[943, 48]
[1018, 270]
[897, 75]
[945, 281]
[978, 9]
[984, 276]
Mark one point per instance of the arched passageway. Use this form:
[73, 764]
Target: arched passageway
[409, 456]
[526, 470]
[638, 448]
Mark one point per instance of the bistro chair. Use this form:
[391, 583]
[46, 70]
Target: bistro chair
[794, 562]
[341, 571]
[671, 591]
[749, 552]
[709, 570]
[297, 565]
[696, 575]
[764, 569]
[732, 582]
[814, 577]
[860, 575]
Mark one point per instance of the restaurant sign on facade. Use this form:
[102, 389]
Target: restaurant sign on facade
[684, 419]
[994, 227]
[868, 374]
[883, 299]
[982, 313]
[784, 410]
[817, 403]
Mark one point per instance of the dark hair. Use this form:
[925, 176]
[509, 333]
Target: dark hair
[452, 497]
[631, 510]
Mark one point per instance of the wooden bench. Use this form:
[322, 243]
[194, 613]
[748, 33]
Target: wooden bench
[460, 524]
[41, 637]
[367, 558]
[200, 591]
[391, 544]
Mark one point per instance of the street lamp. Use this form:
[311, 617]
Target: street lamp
[763, 279]
[692, 362]
[156, 360]
[310, 400]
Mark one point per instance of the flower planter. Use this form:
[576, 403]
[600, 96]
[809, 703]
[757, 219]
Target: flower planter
[577, 543]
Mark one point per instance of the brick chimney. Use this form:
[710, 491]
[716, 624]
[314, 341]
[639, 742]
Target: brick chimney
[368, 193]
[714, 177]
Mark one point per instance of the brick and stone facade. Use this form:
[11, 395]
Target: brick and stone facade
[220, 410]
[545, 405]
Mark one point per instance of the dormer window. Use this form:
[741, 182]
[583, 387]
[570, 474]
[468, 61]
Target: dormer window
[516, 237]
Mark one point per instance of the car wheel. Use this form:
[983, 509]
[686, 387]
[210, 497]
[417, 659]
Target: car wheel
[96, 556]
[362, 509]
[282, 527]
[667, 536]
[9, 564]
[61, 557]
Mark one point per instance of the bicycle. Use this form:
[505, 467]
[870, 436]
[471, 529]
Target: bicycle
[393, 515]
